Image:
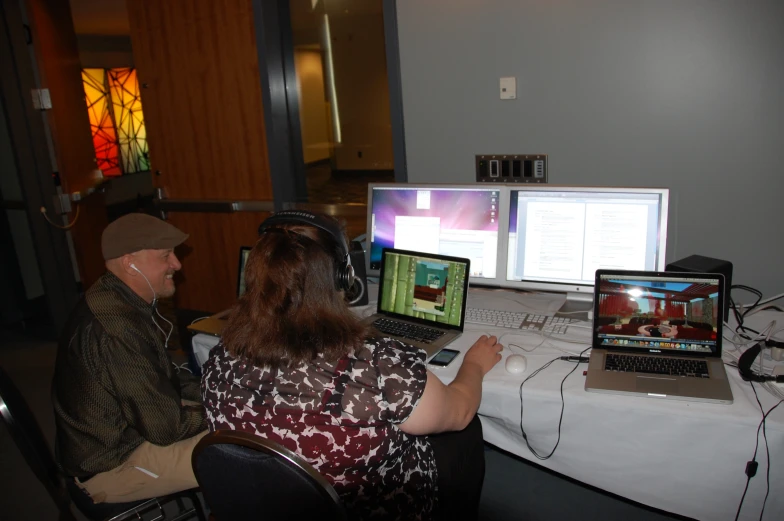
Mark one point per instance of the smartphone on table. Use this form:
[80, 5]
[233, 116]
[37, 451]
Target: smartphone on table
[444, 357]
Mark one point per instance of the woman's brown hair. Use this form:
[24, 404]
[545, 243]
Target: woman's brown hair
[291, 309]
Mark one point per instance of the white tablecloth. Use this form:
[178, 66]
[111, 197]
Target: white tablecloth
[683, 457]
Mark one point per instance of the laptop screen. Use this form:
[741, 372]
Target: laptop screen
[424, 287]
[244, 252]
[658, 312]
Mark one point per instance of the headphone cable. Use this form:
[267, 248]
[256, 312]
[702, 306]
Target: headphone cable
[751, 466]
[155, 309]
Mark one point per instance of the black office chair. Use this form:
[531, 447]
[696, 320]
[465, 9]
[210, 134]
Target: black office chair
[27, 435]
[244, 477]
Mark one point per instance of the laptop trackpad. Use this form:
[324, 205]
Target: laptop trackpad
[648, 384]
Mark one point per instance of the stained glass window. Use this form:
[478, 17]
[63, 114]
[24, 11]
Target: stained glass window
[115, 109]
[104, 136]
[128, 119]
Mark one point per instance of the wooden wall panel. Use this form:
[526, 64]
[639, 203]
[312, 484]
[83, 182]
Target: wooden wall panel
[201, 95]
[202, 102]
[87, 238]
[54, 43]
[209, 257]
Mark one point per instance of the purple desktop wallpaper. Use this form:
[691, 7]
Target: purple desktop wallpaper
[457, 209]
[513, 212]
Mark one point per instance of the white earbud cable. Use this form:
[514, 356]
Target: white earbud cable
[155, 307]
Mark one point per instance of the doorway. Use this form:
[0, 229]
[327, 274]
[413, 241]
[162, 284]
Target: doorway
[340, 59]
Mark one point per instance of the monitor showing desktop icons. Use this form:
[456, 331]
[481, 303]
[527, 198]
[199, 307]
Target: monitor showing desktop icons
[461, 221]
[539, 237]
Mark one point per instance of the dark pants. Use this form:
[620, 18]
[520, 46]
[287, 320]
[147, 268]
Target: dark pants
[460, 460]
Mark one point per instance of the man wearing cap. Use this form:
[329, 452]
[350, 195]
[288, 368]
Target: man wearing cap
[126, 421]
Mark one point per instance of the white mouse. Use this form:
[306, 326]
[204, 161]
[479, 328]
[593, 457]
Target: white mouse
[516, 364]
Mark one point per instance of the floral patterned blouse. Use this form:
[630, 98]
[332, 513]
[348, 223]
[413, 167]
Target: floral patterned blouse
[340, 417]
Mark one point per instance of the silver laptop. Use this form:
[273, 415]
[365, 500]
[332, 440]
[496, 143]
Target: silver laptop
[421, 298]
[214, 324]
[658, 334]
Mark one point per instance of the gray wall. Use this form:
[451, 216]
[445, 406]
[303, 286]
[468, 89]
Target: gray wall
[683, 94]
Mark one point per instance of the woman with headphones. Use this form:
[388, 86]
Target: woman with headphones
[296, 366]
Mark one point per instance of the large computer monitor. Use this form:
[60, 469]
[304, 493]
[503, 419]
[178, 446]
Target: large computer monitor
[559, 236]
[456, 220]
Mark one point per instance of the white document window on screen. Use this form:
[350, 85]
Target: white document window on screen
[615, 237]
[553, 233]
[423, 200]
[417, 233]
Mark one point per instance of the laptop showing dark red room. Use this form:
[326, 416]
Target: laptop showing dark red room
[658, 334]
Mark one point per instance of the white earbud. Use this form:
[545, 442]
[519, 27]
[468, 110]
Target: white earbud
[154, 295]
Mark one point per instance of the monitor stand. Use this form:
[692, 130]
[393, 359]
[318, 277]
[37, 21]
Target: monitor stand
[577, 305]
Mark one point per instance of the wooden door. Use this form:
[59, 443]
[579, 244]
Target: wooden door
[201, 94]
[57, 57]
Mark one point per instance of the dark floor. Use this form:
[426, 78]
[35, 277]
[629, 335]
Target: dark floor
[324, 187]
[513, 488]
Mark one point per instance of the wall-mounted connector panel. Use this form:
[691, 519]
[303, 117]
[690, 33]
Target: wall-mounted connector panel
[511, 168]
[41, 99]
[61, 203]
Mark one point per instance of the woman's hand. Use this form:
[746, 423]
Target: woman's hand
[485, 353]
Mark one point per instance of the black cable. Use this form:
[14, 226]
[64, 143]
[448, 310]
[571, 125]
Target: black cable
[739, 317]
[563, 403]
[767, 449]
[749, 289]
[751, 466]
[748, 478]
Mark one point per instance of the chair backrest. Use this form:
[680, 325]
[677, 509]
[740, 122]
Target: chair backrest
[27, 435]
[246, 477]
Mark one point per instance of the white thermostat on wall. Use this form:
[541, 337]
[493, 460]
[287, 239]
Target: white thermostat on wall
[509, 87]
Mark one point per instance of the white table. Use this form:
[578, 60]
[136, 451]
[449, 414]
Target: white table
[682, 457]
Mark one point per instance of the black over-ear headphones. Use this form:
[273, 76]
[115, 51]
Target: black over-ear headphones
[744, 366]
[344, 275]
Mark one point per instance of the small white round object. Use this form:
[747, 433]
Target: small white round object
[516, 364]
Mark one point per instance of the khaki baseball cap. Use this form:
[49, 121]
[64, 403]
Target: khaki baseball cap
[139, 231]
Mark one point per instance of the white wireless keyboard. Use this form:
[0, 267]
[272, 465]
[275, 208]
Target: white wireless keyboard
[514, 320]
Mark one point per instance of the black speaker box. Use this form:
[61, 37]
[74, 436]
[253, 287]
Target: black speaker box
[357, 295]
[700, 264]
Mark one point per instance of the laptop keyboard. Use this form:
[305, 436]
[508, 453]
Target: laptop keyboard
[656, 365]
[513, 320]
[407, 330]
